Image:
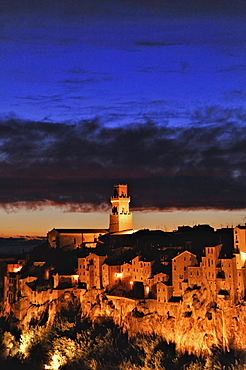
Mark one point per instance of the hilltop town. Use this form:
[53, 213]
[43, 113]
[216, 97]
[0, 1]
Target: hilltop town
[150, 276]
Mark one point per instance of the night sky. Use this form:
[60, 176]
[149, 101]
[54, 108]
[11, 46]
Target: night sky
[149, 93]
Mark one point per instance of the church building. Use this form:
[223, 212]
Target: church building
[120, 221]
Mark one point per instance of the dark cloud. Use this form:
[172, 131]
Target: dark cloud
[75, 165]
[78, 8]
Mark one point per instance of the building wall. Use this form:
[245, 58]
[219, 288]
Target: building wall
[70, 280]
[111, 275]
[120, 222]
[218, 274]
[141, 270]
[153, 282]
[180, 265]
[120, 218]
[195, 276]
[164, 292]
[90, 270]
[74, 240]
[240, 238]
[241, 283]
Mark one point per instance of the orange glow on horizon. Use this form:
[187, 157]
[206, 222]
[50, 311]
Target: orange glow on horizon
[39, 222]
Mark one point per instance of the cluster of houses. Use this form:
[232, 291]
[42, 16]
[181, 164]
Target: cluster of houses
[223, 275]
[163, 273]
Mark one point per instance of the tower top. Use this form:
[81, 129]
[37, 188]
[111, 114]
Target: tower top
[120, 191]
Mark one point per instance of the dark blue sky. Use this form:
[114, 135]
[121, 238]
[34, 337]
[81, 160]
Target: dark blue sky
[120, 61]
[147, 92]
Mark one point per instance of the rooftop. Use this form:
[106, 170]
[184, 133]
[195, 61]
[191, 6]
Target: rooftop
[80, 231]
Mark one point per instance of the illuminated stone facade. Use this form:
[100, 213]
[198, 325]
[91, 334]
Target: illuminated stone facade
[120, 217]
[180, 265]
[101, 272]
[240, 245]
[90, 270]
[222, 274]
[74, 238]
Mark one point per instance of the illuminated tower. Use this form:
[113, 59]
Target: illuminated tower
[120, 217]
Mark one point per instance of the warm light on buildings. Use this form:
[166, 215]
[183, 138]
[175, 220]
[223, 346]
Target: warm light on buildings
[14, 267]
[243, 257]
[17, 269]
[119, 275]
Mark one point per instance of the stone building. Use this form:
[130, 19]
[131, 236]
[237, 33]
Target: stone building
[120, 221]
[239, 234]
[65, 280]
[111, 274]
[180, 265]
[164, 292]
[220, 273]
[104, 272]
[120, 217]
[74, 238]
[90, 270]
[11, 281]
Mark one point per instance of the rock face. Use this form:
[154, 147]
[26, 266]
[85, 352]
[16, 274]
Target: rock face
[195, 324]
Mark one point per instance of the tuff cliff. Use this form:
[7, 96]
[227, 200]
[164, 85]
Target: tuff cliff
[195, 324]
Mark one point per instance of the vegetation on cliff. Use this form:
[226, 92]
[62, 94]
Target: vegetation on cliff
[71, 345]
